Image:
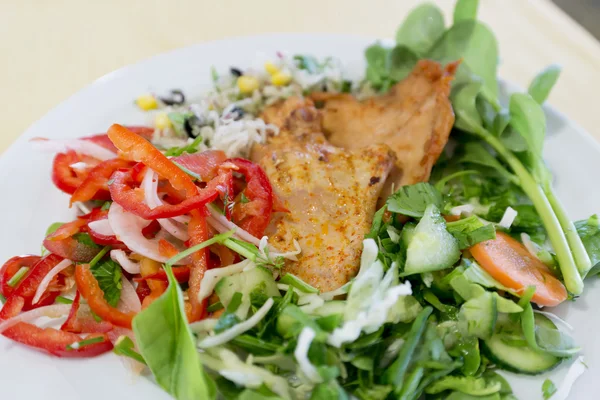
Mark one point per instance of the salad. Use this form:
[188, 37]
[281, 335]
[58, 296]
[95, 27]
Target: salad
[260, 243]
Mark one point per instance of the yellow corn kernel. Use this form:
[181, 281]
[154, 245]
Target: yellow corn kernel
[247, 84]
[271, 68]
[281, 78]
[147, 102]
[162, 121]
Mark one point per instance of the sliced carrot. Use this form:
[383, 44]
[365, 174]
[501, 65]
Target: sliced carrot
[511, 264]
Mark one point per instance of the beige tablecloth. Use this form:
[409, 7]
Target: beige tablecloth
[51, 49]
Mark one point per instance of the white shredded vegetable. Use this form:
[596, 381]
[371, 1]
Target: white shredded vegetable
[120, 257]
[64, 264]
[238, 329]
[301, 354]
[52, 311]
[129, 300]
[465, 209]
[575, 371]
[508, 218]
[101, 227]
[80, 146]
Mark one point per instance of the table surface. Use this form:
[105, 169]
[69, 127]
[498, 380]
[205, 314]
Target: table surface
[51, 49]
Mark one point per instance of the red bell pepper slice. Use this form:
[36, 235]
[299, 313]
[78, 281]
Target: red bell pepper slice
[139, 149]
[103, 140]
[63, 243]
[97, 179]
[11, 267]
[69, 179]
[90, 290]
[131, 199]
[27, 287]
[181, 273]
[198, 231]
[205, 164]
[78, 324]
[255, 215]
[142, 290]
[49, 340]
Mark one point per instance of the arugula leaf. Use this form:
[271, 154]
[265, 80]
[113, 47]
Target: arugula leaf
[589, 231]
[376, 57]
[421, 28]
[528, 118]
[412, 200]
[476, 45]
[542, 84]
[475, 153]
[168, 346]
[108, 274]
[470, 231]
[548, 389]
[465, 10]
[464, 103]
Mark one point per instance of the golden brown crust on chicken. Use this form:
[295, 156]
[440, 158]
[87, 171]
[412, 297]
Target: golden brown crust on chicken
[331, 192]
[414, 118]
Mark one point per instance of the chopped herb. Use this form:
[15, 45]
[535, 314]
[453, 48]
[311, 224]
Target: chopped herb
[125, 347]
[412, 200]
[2, 298]
[215, 307]
[108, 274]
[63, 300]
[106, 205]
[16, 279]
[190, 148]
[244, 199]
[86, 342]
[548, 389]
[99, 256]
[470, 231]
[187, 171]
[85, 239]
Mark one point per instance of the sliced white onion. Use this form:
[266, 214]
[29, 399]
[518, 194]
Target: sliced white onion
[555, 319]
[238, 329]
[530, 245]
[466, 209]
[129, 300]
[575, 371]
[150, 187]
[101, 227]
[79, 165]
[48, 278]
[128, 228]
[508, 218]
[52, 311]
[120, 257]
[133, 366]
[86, 147]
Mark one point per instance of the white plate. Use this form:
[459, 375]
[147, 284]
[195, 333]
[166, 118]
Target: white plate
[31, 203]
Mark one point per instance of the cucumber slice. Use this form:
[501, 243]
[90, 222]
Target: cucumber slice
[477, 317]
[330, 308]
[509, 350]
[431, 247]
[258, 278]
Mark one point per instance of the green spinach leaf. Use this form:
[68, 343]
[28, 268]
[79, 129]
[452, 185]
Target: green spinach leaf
[465, 10]
[421, 28]
[542, 84]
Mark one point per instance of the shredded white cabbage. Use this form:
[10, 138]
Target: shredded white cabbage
[466, 209]
[301, 353]
[238, 329]
[575, 371]
[508, 218]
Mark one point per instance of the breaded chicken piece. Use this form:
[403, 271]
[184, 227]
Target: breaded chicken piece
[414, 118]
[331, 194]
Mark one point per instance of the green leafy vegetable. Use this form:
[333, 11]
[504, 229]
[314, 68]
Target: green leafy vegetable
[589, 231]
[18, 277]
[542, 84]
[412, 200]
[190, 148]
[476, 153]
[421, 28]
[465, 10]
[125, 347]
[108, 274]
[548, 389]
[470, 231]
[167, 344]
[401, 61]
[465, 384]
[53, 228]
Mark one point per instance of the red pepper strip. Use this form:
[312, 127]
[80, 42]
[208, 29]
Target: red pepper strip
[128, 198]
[50, 340]
[139, 149]
[198, 231]
[103, 140]
[150, 230]
[255, 215]
[27, 287]
[182, 274]
[142, 289]
[205, 164]
[166, 249]
[77, 324]
[67, 230]
[11, 267]
[96, 181]
[66, 178]
[90, 290]
[65, 245]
